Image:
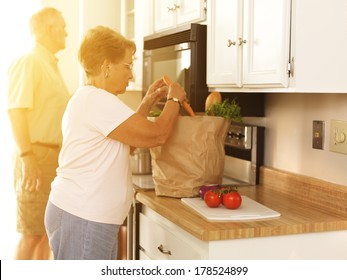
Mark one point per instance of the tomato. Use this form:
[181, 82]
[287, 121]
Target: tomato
[232, 200]
[212, 198]
[226, 189]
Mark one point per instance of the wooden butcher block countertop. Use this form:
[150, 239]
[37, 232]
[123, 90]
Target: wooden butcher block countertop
[306, 205]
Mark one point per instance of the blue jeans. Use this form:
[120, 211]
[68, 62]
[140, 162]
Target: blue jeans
[73, 238]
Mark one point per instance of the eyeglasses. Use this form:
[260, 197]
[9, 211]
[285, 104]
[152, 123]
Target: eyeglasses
[129, 65]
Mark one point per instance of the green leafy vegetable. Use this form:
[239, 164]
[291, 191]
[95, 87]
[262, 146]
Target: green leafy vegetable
[226, 109]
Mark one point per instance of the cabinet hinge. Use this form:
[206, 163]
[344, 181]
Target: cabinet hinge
[290, 68]
[205, 5]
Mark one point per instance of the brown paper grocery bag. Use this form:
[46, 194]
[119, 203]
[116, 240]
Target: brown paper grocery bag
[193, 156]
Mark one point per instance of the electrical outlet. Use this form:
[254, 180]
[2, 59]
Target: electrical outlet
[338, 136]
[318, 135]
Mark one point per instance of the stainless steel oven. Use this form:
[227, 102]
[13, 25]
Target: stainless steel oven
[181, 54]
[244, 153]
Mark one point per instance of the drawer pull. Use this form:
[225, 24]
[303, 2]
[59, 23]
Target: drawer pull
[231, 43]
[163, 251]
[242, 41]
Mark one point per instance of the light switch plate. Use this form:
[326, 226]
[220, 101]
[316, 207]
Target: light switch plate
[318, 135]
[338, 136]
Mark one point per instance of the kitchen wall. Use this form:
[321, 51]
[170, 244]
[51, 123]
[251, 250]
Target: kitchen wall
[289, 134]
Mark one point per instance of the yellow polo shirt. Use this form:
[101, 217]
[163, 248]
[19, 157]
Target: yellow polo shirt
[35, 83]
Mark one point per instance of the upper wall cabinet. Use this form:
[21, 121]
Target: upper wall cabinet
[171, 13]
[277, 46]
[248, 43]
[319, 46]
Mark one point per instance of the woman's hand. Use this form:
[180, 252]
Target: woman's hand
[176, 90]
[137, 131]
[157, 91]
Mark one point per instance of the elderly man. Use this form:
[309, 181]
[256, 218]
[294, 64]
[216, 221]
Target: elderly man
[37, 97]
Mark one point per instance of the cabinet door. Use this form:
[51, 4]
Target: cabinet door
[265, 43]
[157, 242]
[164, 14]
[248, 43]
[224, 56]
[320, 46]
[190, 11]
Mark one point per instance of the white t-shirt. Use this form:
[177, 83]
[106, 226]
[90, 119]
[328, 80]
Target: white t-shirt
[94, 176]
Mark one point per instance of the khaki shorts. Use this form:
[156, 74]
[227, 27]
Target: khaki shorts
[31, 205]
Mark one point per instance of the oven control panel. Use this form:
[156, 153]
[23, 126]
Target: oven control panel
[239, 137]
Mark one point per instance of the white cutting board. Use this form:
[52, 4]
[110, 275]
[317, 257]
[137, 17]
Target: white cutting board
[249, 210]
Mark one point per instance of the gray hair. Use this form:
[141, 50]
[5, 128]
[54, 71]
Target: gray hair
[102, 43]
[42, 19]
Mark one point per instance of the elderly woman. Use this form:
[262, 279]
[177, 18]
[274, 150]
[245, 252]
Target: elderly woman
[92, 192]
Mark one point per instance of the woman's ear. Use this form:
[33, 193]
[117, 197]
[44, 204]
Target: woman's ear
[105, 68]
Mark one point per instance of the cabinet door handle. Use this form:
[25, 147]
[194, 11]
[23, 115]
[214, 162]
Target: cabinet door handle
[231, 43]
[173, 8]
[242, 41]
[163, 251]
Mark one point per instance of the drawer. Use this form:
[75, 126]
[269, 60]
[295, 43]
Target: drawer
[157, 242]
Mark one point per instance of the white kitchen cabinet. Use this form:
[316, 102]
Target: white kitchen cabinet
[158, 241]
[172, 13]
[159, 238]
[248, 43]
[319, 44]
[307, 37]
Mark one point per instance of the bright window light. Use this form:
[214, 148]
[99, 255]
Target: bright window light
[15, 39]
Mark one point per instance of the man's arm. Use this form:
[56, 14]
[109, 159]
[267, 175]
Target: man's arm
[32, 176]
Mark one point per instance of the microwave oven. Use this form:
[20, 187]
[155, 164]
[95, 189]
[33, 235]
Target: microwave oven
[179, 53]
